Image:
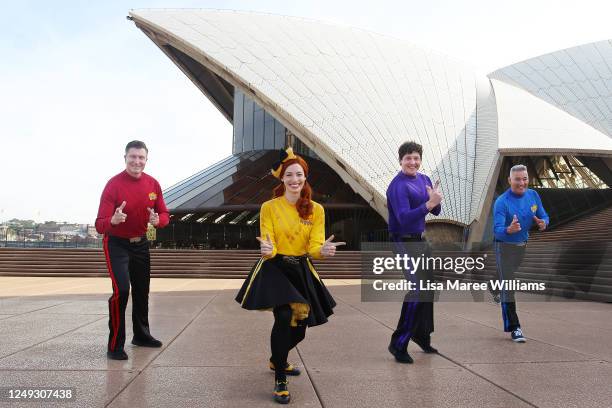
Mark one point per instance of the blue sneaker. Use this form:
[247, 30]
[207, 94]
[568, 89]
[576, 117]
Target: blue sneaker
[517, 336]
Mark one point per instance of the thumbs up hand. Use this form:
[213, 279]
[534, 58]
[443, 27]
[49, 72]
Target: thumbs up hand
[266, 247]
[514, 226]
[153, 217]
[119, 216]
[541, 223]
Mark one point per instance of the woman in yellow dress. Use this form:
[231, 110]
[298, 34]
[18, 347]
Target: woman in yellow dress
[284, 280]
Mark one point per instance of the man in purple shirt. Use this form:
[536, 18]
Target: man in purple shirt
[410, 197]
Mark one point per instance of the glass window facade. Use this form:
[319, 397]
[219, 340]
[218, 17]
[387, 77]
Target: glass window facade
[254, 128]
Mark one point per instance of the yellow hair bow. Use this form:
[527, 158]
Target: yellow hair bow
[284, 156]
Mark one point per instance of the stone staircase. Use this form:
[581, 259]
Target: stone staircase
[165, 263]
[573, 259]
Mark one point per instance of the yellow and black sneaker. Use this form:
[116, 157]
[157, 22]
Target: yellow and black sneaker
[281, 393]
[290, 369]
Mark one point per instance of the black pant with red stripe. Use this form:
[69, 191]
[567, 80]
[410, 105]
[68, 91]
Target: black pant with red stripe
[128, 263]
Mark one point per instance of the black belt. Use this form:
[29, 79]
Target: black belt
[134, 240]
[294, 260]
[407, 237]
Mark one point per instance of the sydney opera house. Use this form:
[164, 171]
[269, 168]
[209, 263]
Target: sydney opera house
[347, 98]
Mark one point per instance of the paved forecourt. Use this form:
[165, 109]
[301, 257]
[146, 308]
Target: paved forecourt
[53, 335]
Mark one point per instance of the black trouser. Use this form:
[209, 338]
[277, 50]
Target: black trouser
[127, 263]
[284, 338]
[417, 316]
[509, 258]
[416, 320]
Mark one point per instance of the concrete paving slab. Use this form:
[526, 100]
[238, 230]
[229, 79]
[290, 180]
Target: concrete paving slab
[224, 335]
[183, 306]
[423, 387]
[22, 331]
[587, 340]
[93, 388]
[210, 387]
[27, 286]
[215, 353]
[536, 326]
[543, 328]
[85, 348]
[578, 384]
[164, 305]
[570, 314]
[386, 313]
[351, 339]
[92, 306]
[14, 286]
[468, 342]
[476, 338]
[17, 305]
[176, 286]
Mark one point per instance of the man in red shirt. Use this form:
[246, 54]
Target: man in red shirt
[130, 201]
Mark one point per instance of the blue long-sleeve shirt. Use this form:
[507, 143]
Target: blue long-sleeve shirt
[406, 198]
[524, 206]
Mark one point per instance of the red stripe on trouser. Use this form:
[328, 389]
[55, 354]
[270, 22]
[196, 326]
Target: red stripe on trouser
[115, 299]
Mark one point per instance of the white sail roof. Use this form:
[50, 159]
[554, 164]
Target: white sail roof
[354, 96]
[351, 95]
[577, 80]
[527, 124]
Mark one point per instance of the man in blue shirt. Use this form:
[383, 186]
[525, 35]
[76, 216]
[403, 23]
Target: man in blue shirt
[514, 213]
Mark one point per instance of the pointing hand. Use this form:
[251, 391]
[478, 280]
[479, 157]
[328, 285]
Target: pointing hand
[266, 247]
[329, 247]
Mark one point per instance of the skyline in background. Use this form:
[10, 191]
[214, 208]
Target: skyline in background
[79, 81]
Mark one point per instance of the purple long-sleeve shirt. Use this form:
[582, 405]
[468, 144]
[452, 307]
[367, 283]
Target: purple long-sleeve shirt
[406, 198]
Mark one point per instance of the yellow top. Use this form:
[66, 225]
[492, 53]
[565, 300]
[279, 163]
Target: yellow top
[290, 234]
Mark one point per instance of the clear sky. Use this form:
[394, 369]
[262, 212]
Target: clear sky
[78, 81]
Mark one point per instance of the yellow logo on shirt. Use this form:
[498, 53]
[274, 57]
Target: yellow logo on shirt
[152, 196]
[534, 208]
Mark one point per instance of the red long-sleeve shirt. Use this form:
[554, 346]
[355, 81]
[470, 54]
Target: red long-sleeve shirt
[139, 194]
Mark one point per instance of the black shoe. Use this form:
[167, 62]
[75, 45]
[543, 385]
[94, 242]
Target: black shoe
[281, 393]
[400, 355]
[425, 345]
[290, 369]
[150, 342]
[117, 355]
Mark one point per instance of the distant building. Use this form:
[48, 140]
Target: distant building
[91, 231]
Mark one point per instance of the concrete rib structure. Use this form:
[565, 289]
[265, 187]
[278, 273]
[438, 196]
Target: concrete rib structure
[353, 96]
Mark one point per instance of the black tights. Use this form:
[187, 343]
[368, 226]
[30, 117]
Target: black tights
[284, 338]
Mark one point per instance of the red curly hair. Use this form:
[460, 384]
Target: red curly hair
[304, 203]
